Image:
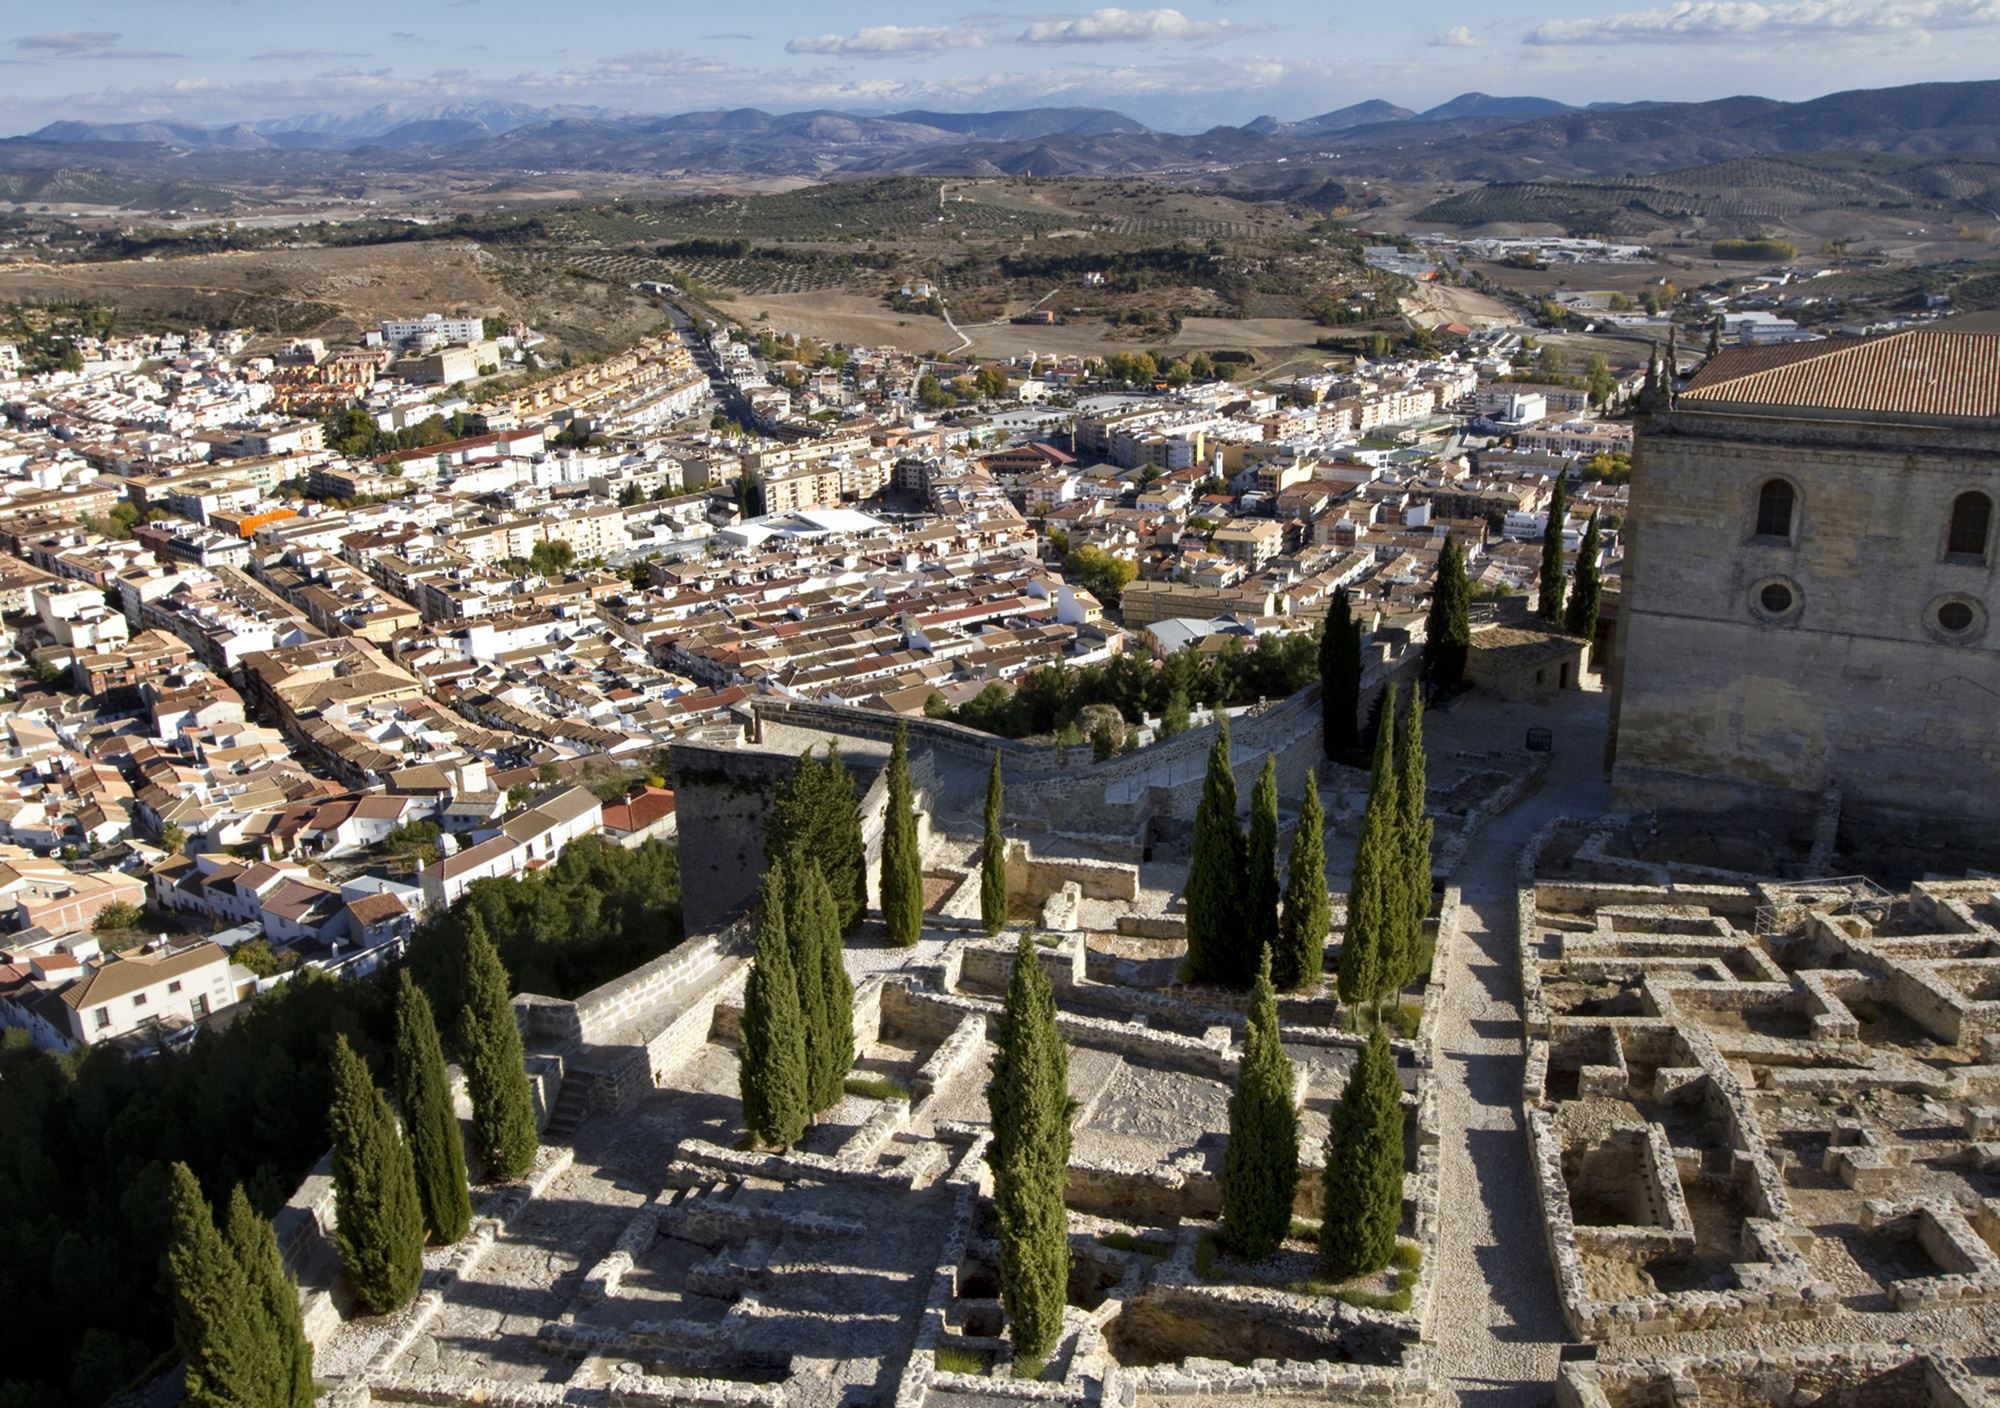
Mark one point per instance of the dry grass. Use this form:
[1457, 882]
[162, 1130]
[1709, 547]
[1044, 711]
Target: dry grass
[337, 293]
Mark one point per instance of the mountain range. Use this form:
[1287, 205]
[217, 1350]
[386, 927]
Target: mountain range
[1473, 137]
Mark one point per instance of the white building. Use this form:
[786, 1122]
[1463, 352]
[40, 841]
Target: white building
[169, 988]
[433, 328]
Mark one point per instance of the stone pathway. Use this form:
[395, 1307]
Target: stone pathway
[1498, 1327]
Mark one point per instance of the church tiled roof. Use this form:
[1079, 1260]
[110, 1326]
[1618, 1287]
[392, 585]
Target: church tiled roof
[1925, 372]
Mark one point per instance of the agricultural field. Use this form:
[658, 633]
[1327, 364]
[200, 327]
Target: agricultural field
[1860, 196]
[337, 293]
[1119, 264]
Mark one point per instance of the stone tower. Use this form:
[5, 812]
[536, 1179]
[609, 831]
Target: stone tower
[1809, 581]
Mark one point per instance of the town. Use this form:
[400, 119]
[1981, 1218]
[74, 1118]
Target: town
[1356, 798]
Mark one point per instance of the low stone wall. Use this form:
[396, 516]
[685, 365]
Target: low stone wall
[1861, 1376]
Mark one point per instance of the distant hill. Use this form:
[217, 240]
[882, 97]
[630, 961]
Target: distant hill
[1485, 105]
[1475, 137]
[1357, 115]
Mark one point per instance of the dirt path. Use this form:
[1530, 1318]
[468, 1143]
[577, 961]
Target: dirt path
[1498, 1327]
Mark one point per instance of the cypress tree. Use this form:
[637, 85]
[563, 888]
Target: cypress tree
[1174, 714]
[380, 1224]
[902, 864]
[774, 1077]
[1340, 680]
[808, 972]
[1301, 949]
[1366, 946]
[1549, 603]
[436, 1147]
[1260, 1171]
[836, 1058]
[815, 942]
[993, 858]
[1413, 829]
[1261, 891]
[1028, 1098]
[233, 1359]
[496, 1074]
[1448, 629]
[817, 813]
[1214, 892]
[1364, 1166]
[255, 1248]
[844, 856]
[1587, 592]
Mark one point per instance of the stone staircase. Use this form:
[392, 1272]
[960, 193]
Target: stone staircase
[573, 1102]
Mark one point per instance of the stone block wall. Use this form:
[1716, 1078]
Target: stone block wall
[1856, 689]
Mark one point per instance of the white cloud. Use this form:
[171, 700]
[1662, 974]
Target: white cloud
[1713, 21]
[876, 40]
[74, 41]
[1457, 37]
[85, 44]
[1114, 26]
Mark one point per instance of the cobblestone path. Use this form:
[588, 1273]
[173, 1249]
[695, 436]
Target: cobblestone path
[1497, 1325]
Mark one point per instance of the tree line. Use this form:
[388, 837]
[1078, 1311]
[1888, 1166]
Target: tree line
[1047, 699]
[88, 1139]
[397, 1184]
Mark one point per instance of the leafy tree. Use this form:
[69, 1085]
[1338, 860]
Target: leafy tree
[1549, 604]
[437, 1150]
[1364, 1166]
[1587, 592]
[1598, 380]
[1413, 830]
[551, 558]
[380, 1225]
[902, 862]
[1028, 1098]
[1103, 744]
[1100, 573]
[1261, 891]
[1260, 1171]
[1301, 948]
[173, 838]
[489, 1043]
[1366, 946]
[1215, 878]
[993, 858]
[115, 916]
[1340, 679]
[1174, 717]
[599, 911]
[1448, 630]
[273, 1293]
[232, 1355]
[773, 1073]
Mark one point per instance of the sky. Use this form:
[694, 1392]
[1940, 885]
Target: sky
[1181, 68]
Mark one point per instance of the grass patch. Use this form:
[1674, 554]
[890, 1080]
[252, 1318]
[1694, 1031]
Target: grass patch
[1126, 1242]
[1426, 953]
[874, 1088]
[1204, 1256]
[1408, 1256]
[1030, 1368]
[1305, 1231]
[1397, 1300]
[957, 1359]
[1047, 940]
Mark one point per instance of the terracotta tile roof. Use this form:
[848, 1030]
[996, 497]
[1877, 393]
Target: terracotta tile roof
[128, 974]
[1923, 372]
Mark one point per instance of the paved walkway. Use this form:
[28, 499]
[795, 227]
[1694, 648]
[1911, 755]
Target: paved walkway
[1498, 1328]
